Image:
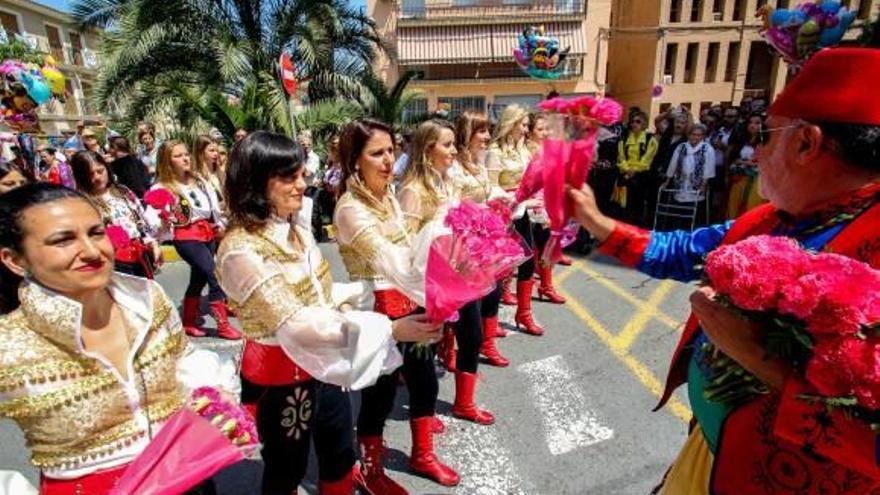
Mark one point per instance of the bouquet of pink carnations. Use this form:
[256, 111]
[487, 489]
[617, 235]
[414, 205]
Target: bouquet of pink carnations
[821, 313]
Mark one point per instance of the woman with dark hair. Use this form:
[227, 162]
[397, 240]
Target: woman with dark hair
[133, 232]
[11, 177]
[93, 361]
[376, 248]
[742, 176]
[194, 220]
[303, 342]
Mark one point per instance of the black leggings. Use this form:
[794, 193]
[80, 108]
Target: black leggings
[536, 237]
[469, 329]
[421, 383]
[200, 257]
[287, 417]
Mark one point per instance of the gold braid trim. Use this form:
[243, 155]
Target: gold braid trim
[108, 442]
[359, 255]
[36, 405]
[46, 371]
[272, 302]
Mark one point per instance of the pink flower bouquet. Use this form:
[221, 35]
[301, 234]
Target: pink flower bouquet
[821, 312]
[193, 445]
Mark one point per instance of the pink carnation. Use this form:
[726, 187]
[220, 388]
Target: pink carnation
[607, 111]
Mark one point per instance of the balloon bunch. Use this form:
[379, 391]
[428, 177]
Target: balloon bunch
[539, 55]
[796, 34]
[23, 88]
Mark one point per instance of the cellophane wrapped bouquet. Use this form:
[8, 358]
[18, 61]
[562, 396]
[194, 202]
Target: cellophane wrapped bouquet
[819, 312]
[477, 248]
[193, 445]
[565, 157]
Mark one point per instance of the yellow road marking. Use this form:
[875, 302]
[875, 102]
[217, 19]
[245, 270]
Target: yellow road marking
[636, 367]
[644, 314]
[619, 291]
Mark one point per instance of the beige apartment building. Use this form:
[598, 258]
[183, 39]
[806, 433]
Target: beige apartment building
[462, 50]
[697, 53]
[54, 32]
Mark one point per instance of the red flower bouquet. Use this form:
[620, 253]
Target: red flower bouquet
[821, 312]
[170, 209]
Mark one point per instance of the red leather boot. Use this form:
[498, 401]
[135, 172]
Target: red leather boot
[190, 315]
[423, 460]
[344, 486]
[488, 349]
[373, 476]
[224, 329]
[438, 426]
[524, 308]
[447, 348]
[546, 289]
[465, 407]
[507, 297]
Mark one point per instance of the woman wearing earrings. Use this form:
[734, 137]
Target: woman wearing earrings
[376, 247]
[194, 222]
[507, 159]
[303, 342]
[477, 326]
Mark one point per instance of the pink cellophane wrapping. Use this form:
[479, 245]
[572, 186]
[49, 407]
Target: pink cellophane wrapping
[447, 290]
[187, 451]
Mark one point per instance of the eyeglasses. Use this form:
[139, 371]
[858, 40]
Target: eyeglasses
[764, 134]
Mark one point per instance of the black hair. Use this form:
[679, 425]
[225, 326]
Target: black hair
[352, 141]
[121, 144]
[254, 160]
[856, 144]
[81, 164]
[8, 167]
[13, 205]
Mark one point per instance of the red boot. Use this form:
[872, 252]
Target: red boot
[231, 311]
[375, 481]
[507, 297]
[438, 428]
[190, 315]
[524, 308]
[224, 329]
[465, 407]
[565, 260]
[344, 486]
[488, 349]
[546, 289]
[423, 460]
[447, 348]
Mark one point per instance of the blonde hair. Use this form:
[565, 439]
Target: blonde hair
[510, 118]
[468, 124]
[165, 174]
[419, 169]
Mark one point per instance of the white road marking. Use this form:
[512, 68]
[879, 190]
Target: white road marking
[569, 423]
[476, 453]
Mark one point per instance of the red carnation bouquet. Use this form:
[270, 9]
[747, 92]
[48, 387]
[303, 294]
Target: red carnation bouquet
[821, 312]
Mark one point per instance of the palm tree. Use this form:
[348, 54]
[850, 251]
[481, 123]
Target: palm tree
[189, 58]
[389, 105]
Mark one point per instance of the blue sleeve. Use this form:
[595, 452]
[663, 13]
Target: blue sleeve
[679, 255]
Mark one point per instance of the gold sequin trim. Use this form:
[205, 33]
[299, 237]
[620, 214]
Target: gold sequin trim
[358, 257]
[109, 442]
[47, 371]
[36, 405]
[272, 302]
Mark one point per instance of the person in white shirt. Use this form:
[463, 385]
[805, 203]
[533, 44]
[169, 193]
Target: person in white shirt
[312, 162]
[691, 167]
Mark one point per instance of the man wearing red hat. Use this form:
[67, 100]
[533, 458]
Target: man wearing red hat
[819, 162]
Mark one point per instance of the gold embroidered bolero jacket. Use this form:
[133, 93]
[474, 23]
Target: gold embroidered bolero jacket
[288, 298]
[376, 247]
[77, 412]
[471, 186]
[420, 207]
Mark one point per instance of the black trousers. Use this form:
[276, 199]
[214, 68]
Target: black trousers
[469, 329]
[638, 188]
[135, 269]
[287, 419]
[200, 258]
[536, 236]
[377, 401]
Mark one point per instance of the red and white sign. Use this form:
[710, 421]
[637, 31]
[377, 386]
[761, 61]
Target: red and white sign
[288, 76]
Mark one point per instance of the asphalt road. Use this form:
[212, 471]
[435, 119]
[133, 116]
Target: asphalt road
[573, 410]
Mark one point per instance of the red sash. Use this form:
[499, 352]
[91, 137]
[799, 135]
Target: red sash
[393, 304]
[779, 444]
[99, 483]
[269, 366]
[200, 230]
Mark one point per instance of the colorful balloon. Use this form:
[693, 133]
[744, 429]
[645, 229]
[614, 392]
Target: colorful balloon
[796, 34]
[539, 55]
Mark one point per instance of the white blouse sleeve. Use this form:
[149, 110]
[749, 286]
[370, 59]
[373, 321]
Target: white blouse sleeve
[349, 350]
[401, 265]
[14, 483]
[204, 368]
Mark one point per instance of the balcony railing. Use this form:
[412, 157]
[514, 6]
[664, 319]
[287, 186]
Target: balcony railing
[572, 68]
[467, 9]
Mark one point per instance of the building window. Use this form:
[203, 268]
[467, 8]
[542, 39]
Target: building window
[732, 62]
[10, 24]
[865, 9]
[686, 106]
[56, 48]
[690, 62]
[712, 62]
[697, 11]
[459, 105]
[415, 110]
[761, 3]
[671, 59]
[675, 11]
[739, 9]
[718, 10]
[665, 107]
[412, 8]
[781, 4]
[70, 106]
[88, 99]
[76, 48]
